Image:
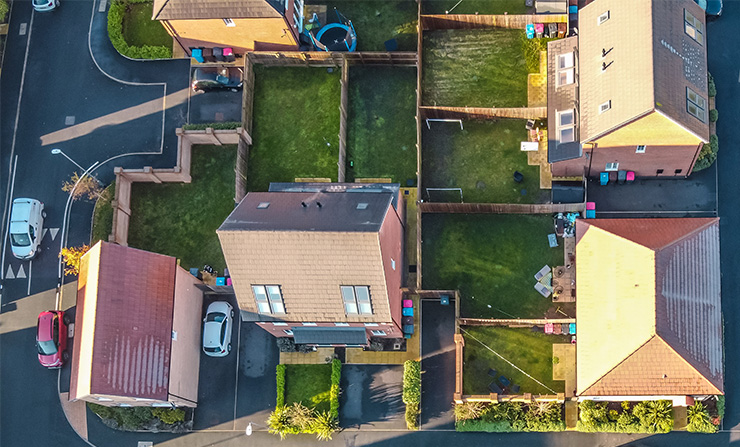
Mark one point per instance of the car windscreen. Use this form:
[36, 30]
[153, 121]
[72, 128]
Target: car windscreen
[46, 347]
[20, 239]
[211, 349]
[216, 316]
[40, 2]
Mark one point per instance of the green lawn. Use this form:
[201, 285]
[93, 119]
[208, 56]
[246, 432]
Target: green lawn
[475, 6]
[476, 68]
[103, 215]
[308, 384]
[295, 125]
[376, 21]
[181, 220]
[530, 351]
[139, 29]
[481, 159]
[381, 137]
[491, 259]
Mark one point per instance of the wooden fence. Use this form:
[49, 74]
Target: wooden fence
[248, 97]
[513, 321]
[343, 108]
[501, 208]
[331, 59]
[419, 44]
[481, 113]
[121, 202]
[476, 21]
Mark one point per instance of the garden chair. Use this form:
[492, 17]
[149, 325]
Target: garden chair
[492, 372]
[495, 388]
[504, 381]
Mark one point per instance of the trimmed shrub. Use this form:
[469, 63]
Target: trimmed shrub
[712, 86]
[708, 154]
[323, 425]
[285, 344]
[215, 126]
[116, 13]
[280, 379]
[4, 8]
[699, 420]
[169, 416]
[509, 416]
[484, 426]
[298, 418]
[411, 395]
[654, 416]
[713, 115]
[280, 422]
[721, 406]
[336, 377]
[470, 410]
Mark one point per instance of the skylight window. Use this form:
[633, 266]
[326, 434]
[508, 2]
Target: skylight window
[602, 18]
[605, 106]
[356, 300]
[263, 205]
[566, 126]
[362, 206]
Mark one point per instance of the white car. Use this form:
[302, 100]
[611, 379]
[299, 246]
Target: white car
[45, 5]
[26, 225]
[217, 329]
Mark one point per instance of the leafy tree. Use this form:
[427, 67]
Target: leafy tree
[71, 257]
[88, 187]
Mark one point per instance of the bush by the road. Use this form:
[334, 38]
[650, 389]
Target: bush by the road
[708, 154]
[4, 8]
[412, 392]
[115, 31]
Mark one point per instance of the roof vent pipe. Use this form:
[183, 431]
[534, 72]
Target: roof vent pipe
[319, 204]
[304, 204]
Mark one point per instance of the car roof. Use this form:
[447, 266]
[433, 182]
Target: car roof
[43, 332]
[212, 333]
[21, 210]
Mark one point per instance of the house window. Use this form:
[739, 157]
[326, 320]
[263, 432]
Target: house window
[279, 324]
[659, 171]
[288, 331]
[566, 126]
[229, 22]
[605, 106]
[393, 264]
[103, 399]
[341, 324]
[263, 205]
[696, 105]
[602, 18]
[269, 299]
[640, 149]
[693, 27]
[356, 300]
[371, 324]
[379, 333]
[124, 405]
[565, 69]
[612, 167]
[678, 171]
[309, 324]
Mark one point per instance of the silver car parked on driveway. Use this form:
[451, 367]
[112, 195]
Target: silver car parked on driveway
[217, 329]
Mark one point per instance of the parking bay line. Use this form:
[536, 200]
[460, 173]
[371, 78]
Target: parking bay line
[236, 382]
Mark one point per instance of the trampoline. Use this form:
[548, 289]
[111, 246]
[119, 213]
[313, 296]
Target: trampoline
[336, 36]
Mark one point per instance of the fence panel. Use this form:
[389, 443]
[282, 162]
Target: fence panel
[479, 21]
[501, 208]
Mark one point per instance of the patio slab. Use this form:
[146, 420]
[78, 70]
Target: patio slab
[565, 369]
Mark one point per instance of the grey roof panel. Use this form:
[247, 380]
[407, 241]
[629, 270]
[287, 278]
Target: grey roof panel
[310, 211]
[337, 187]
[561, 98]
[330, 335]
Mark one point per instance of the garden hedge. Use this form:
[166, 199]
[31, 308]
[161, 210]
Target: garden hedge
[411, 395]
[4, 8]
[652, 416]
[116, 12]
[229, 125]
[336, 376]
[708, 154]
[509, 416]
[280, 379]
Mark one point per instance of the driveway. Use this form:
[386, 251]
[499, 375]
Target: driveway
[216, 106]
[437, 365]
[371, 397]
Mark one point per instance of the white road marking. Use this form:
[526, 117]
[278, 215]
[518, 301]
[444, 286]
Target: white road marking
[69, 120]
[30, 267]
[5, 213]
[9, 274]
[43, 233]
[22, 30]
[21, 273]
[238, 343]
[53, 232]
[103, 4]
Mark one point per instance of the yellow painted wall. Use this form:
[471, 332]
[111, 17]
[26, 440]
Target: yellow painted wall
[246, 35]
[652, 129]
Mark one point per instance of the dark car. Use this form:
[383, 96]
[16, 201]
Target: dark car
[205, 79]
[714, 7]
[51, 338]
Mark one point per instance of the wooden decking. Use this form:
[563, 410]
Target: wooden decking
[564, 276]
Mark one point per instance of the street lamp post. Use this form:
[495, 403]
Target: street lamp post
[57, 151]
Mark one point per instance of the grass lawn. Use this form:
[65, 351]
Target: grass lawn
[139, 29]
[475, 6]
[528, 350]
[376, 21]
[491, 259]
[476, 68]
[295, 126]
[180, 219]
[103, 215]
[481, 159]
[308, 384]
[381, 137]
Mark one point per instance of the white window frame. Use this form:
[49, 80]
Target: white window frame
[356, 300]
[378, 332]
[341, 324]
[605, 106]
[269, 298]
[565, 77]
[371, 324]
[309, 324]
[565, 70]
[279, 324]
[393, 263]
[693, 27]
[698, 103]
[288, 331]
[603, 17]
[612, 166]
[641, 149]
[228, 22]
[566, 60]
[571, 127]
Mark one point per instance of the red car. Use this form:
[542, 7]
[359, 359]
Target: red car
[51, 338]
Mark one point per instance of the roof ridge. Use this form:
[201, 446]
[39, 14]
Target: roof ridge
[622, 361]
[691, 365]
[710, 221]
[159, 11]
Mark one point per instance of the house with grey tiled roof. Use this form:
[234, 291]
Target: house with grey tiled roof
[649, 309]
[322, 263]
[630, 91]
[137, 330]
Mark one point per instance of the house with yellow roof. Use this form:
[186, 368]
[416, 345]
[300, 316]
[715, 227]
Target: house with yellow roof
[648, 309]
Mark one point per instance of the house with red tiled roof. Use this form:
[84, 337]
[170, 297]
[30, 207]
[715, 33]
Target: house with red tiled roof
[137, 330]
[630, 91]
[648, 309]
[322, 263]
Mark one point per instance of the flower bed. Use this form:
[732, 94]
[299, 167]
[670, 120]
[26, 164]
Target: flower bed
[143, 418]
[651, 416]
[412, 392]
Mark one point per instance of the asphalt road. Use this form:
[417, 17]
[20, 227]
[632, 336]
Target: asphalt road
[60, 80]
